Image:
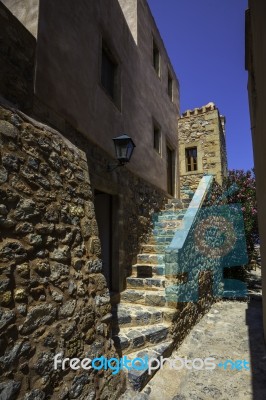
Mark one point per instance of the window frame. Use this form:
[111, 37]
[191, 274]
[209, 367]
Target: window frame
[191, 166]
[157, 131]
[170, 79]
[156, 51]
[115, 94]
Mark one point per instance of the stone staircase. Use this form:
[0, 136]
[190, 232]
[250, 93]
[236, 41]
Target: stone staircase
[142, 319]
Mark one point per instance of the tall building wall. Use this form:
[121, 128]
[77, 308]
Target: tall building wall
[256, 66]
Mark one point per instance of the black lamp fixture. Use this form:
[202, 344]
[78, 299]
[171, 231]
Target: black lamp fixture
[124, 147]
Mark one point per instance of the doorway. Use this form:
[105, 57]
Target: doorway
[170, 170]
[103, 212]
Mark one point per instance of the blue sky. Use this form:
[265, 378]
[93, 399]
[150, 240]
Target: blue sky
[205, 40]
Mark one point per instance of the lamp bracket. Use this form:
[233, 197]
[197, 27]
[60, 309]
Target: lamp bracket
[111, 167]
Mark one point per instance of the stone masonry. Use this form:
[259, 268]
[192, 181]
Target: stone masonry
[203, 128]
[52, 293]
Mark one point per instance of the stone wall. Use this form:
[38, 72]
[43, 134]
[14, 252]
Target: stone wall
[17, 52]
[192, 276]
[189, 313]
[52, 293]
[203, 128]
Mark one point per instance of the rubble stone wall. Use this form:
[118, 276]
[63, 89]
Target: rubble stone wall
[189, 313]
[53, 296]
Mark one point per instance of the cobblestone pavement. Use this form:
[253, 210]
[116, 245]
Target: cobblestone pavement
[230, 330]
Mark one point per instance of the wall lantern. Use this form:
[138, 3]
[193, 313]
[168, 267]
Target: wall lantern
[124, 147]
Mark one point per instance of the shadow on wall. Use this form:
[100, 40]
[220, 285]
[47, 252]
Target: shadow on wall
[256, 347]
[17, 60]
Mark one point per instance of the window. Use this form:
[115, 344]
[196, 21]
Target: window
[157, 138]
[156, 58]
[170, 86]
[191, 159]
[109, 72]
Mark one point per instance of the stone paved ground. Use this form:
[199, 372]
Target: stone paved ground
[231, 330]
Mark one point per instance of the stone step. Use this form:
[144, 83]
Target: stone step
[163, 239]
[147, 270]
[130, 339]
[168, 224]
[131, 315]
[146, 283]
[187, 201]
[146, 258]
[172, 207]
[145, 297]
[153, 248]
[138, 379]
[170, 212]
[176, 202]
[170, 216]
[161, 232]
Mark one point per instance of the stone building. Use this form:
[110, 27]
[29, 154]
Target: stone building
[202, 149]
[255, 65]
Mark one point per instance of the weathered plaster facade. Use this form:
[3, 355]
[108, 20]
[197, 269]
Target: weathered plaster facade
[204, 129]
[256, 64]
